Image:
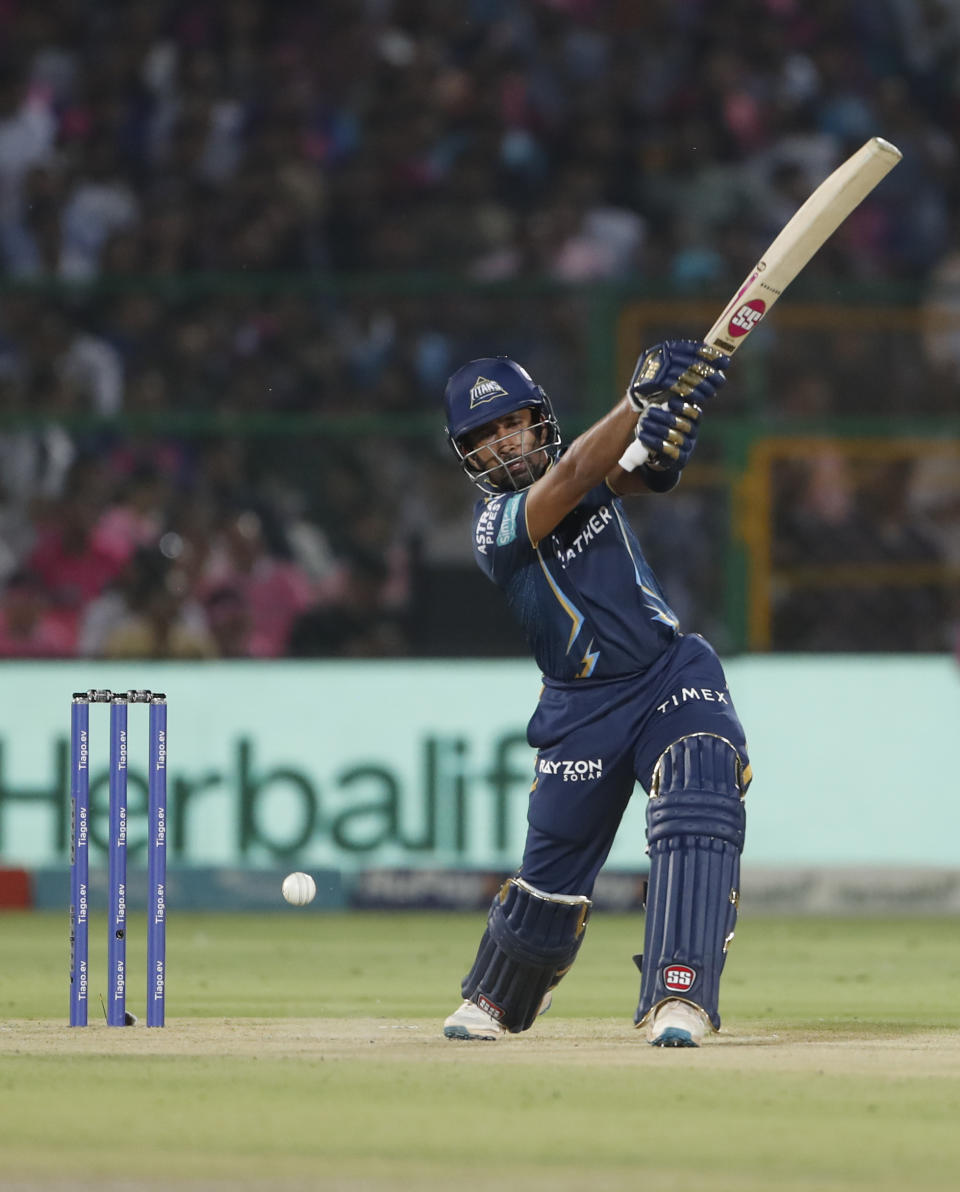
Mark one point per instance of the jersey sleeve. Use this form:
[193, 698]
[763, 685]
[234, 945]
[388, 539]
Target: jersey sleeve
[500, 539]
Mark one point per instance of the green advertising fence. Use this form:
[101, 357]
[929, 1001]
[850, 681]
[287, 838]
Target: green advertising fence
[353, 766]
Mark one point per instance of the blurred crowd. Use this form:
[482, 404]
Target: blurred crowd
[495, 137]
[192, 193]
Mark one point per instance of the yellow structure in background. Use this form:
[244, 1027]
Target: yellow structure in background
[847, 487]
[934, 494]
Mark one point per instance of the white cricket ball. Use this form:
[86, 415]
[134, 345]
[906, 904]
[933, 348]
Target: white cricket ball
[299, 888]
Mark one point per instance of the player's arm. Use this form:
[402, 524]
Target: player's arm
[684, 371]
[647, 479]
[582, 467]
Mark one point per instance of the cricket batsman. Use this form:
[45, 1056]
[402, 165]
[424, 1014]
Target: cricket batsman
[626, 695]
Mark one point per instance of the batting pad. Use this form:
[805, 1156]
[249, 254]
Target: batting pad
[695, 832]
[530, 942]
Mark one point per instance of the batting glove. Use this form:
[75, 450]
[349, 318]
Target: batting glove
[669, 436]
[686, 368]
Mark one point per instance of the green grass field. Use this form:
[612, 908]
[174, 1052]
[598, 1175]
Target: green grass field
[303, 1051]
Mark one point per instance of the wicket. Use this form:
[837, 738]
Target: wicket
[117, 862]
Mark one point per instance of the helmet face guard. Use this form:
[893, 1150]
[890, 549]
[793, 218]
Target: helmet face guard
[483, 391]
[520, 470]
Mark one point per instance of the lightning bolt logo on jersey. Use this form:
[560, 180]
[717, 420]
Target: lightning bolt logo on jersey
[586, 598]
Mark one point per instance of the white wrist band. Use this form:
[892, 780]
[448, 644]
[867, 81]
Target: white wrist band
[635, 456]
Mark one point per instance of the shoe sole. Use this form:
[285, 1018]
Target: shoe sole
[462, 1032]
[674, 1036]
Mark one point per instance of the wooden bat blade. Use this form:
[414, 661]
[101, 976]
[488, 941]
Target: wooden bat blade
[803, 234]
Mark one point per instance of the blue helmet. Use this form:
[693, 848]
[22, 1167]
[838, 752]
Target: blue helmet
[483, 391]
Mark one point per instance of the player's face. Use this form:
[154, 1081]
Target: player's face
[509, 450]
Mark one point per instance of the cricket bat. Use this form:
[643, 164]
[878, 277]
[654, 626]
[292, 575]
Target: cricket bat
[806, 232]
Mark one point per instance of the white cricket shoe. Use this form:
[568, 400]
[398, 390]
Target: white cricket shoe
[470, 1022]
[676, 1023]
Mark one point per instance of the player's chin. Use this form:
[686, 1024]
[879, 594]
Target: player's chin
[519, 476]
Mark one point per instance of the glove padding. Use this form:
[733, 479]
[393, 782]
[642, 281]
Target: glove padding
[687, 368]
[664, 438]
[669, 433]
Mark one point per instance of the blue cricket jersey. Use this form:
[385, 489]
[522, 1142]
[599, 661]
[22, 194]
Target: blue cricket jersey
[588, 602]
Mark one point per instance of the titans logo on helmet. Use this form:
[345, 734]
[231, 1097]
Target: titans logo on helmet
[484, 390]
